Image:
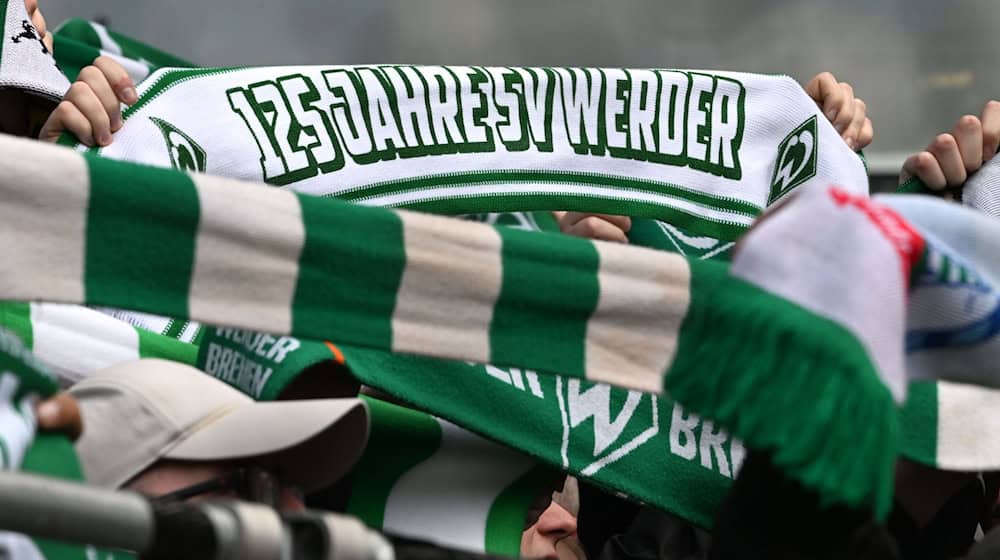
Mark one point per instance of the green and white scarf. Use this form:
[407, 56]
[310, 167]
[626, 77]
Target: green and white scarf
[25, 61]
[684, 240]
[937, 417]
[78, 42]
[529, 100]
[76, 341]
[263, 259]
[704, 151]
[23, 381]
[945, 420]
[644, 446]
[428, 479]
[420, 476]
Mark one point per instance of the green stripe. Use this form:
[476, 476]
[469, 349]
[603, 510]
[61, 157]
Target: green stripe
[123, 253]
[691, 223]
[349, 272]
[505, 520]
[920, 423]
[16, 317]
[539, 301]
[79, 30]
[199, 335]
[515, 176]
[174, 328]
[68, 139]
[138, 50]
[153, 345]
[52, 454]
[3, 25]
[400, 439]
[73, 56]
[945, 269]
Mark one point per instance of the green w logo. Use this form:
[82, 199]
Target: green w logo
[185, 153]
[796, 160]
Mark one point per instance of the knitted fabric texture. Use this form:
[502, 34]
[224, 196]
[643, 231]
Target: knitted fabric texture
[326, 270]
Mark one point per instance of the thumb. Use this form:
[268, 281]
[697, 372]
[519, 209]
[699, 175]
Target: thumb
[60, 413]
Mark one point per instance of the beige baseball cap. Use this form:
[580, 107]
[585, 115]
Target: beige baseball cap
[137, 413]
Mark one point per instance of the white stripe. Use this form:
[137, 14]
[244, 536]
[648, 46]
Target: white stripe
[76, 341]
[135, 70]
[632, 335]
[189, 332]
[954, 273]
[107, 42]
[564, 448]
[47, 186]
[716, 251]
[16, 545]
[258, 231]
[629, 447]
[694, 241]
[441, 193]
[435, 310]
[447, 498]
[934, 261]
[17, 422]
[966, 414]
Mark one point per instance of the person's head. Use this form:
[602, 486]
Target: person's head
[937, 512]
[169, 430]
[30, 83]
[553, 535]
[196, 480]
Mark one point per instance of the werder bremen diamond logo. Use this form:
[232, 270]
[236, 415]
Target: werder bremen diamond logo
[185, 153]
[796, 160]
[604, 424]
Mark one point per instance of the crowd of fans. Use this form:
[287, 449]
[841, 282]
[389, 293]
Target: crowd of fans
[170, 432]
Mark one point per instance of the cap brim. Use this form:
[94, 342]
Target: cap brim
[311, 443]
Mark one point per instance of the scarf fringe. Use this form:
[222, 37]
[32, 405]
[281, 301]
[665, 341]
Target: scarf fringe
[793, 383]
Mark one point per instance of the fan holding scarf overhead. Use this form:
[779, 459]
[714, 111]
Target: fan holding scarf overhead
[683, 203]
[841, 355]
[541, 182]
[549, 127]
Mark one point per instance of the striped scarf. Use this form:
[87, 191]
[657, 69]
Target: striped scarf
[675, 237]
[960, 347]
[23, 381]
[78, 42]
[233, 254]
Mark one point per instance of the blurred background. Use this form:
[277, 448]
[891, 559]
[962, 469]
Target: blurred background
[918, 64]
